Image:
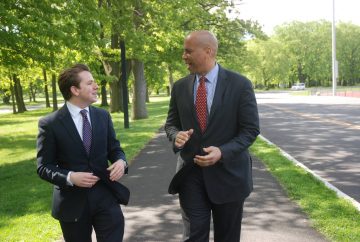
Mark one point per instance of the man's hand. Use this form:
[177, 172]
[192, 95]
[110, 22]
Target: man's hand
[182, 137]
[117, 170]
[213, 155]
[83, 179]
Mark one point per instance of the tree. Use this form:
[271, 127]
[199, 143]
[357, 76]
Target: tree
[348, 53]
[309, 48]
[267, 63]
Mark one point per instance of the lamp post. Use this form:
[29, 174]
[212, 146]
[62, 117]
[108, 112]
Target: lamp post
[124, 84]
[334, 62]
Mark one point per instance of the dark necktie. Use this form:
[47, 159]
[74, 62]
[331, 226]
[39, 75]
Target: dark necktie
[201, 104]
[86, 131]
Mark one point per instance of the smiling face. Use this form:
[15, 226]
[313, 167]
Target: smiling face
[199, 52]
[86, 93]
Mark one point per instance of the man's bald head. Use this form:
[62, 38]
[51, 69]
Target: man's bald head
[205, 39]
[200, 48]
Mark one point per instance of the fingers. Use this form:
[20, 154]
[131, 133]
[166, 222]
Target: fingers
[213, 155]
[182, 137]
[117, 170]
[83, 179]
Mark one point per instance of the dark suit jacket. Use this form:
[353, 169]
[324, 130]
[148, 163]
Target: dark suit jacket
[233, 125]
[60, 150]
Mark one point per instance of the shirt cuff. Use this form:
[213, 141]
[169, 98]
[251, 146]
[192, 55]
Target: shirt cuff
[125, 163]
[68, 181]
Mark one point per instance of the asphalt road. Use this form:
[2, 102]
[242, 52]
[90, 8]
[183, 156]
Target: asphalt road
[321, 132]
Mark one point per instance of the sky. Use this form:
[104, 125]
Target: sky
[270, 13]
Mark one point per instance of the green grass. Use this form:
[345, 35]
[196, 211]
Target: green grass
[336, 218]
[25, 199]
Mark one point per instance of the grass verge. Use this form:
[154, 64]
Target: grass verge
[25, 199]
[336, 218]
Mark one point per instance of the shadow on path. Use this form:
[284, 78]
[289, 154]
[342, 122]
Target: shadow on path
[154, 215]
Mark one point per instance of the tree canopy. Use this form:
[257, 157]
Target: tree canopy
[42, 37]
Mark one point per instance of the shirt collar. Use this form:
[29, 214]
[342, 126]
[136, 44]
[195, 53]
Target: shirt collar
[211, 75]
[74, 110]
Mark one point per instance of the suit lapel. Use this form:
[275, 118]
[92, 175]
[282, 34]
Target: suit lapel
[190, 96]
[68, 122]
[219, 93]
[95, 129]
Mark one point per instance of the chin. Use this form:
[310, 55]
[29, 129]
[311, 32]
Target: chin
[94, 100]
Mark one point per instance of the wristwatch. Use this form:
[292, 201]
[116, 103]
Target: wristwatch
[126, 164]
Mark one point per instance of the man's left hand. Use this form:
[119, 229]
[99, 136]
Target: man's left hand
[213, 155]
[117, 170]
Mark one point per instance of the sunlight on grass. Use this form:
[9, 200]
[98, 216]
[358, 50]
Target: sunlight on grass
[25, 200]
[334, 217]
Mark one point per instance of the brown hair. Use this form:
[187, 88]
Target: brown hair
[69, 77]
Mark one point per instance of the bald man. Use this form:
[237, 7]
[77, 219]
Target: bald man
[212, 121]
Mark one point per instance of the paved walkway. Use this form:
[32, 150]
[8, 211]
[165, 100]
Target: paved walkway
[153, 215]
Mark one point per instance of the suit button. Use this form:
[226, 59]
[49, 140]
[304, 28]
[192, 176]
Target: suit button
[76, 220]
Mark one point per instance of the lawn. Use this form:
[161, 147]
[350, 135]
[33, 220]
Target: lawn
[25, 199]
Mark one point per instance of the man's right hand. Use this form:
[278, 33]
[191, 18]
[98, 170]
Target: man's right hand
[83, 179]
[182, 137]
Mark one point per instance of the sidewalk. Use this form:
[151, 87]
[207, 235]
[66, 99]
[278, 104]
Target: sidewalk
[153, 215]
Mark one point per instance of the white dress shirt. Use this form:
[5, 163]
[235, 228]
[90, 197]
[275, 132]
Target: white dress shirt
[77, 117]
[78, 121]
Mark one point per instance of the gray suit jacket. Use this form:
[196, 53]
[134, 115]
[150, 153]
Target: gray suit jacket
[233, 125]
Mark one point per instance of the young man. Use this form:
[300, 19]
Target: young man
[212, 120]
[74, 146]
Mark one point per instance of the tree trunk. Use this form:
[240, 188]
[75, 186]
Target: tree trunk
[46, 90]
[116, 100]
[139, 110]
[19, 95]
[104, 102]
[32, 89]
[53, 82]
[103, 92]
[171, 79]
[54, 94]
[116, 93]
[12, 96]
[147, 95]
[301, 75]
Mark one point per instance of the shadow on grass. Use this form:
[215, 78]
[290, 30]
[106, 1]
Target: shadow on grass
[23, 118]
[26, 141]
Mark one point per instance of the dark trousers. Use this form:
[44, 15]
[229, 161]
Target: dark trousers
[101, 212]
[197, 208]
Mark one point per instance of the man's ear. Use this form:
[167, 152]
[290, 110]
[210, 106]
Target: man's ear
[74, 91]
[208, 50]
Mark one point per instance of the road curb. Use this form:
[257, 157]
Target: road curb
[339, 193]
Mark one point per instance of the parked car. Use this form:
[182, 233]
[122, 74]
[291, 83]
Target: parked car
[298, 86]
